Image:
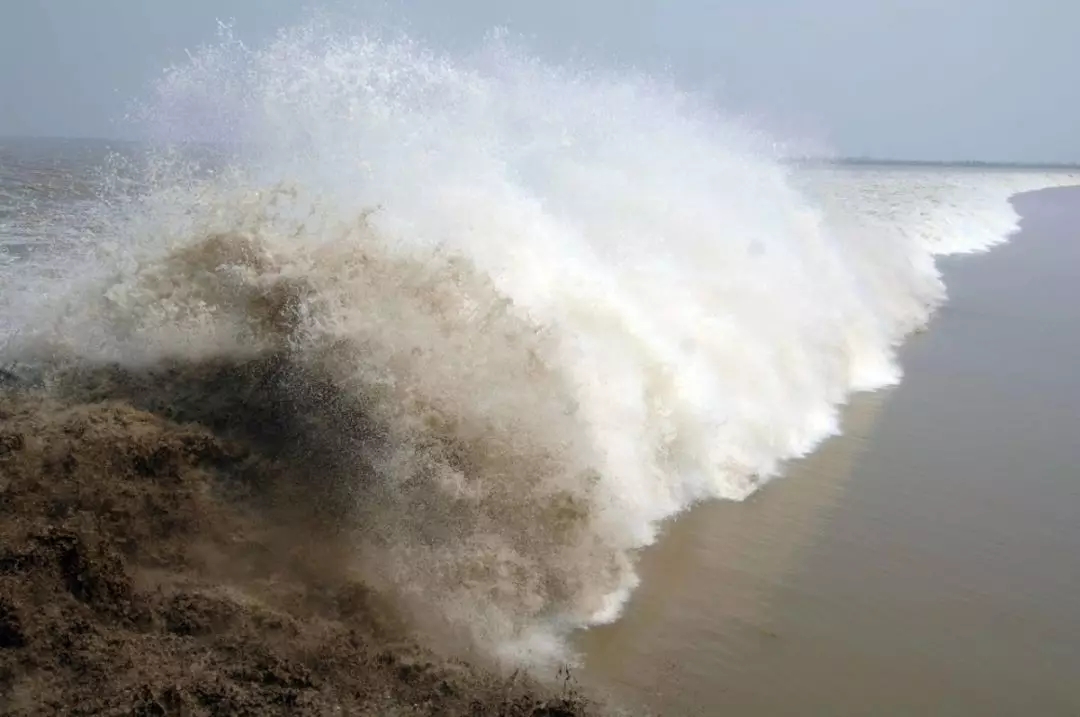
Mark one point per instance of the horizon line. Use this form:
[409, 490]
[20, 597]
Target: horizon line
[807, 159]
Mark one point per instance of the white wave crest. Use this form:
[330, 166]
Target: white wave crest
[575, 302]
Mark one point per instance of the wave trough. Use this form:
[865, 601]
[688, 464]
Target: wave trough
[518, 314]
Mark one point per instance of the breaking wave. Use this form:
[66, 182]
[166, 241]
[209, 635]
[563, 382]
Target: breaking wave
[514, 315]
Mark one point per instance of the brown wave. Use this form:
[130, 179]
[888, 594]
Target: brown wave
[174, 540]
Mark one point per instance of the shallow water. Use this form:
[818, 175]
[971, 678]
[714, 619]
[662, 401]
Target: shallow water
[925, 562]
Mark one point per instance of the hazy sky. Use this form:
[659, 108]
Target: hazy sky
[935, 79]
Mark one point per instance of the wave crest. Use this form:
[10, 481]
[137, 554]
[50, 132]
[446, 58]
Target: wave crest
[583, 303]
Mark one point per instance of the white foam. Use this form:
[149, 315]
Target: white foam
[617, 299]
[947, 210]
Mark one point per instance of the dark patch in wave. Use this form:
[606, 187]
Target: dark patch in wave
[171, 542]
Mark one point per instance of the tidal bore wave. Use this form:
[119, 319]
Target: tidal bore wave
[498, 319]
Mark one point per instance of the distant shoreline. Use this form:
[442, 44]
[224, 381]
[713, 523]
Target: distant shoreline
[914, 163]
[799, 161]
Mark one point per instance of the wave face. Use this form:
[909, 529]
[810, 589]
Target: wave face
[516, 314]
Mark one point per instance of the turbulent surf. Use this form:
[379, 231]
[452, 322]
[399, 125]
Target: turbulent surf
[502, 318]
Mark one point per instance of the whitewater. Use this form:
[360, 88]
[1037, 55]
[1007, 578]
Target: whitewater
[523, 313]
